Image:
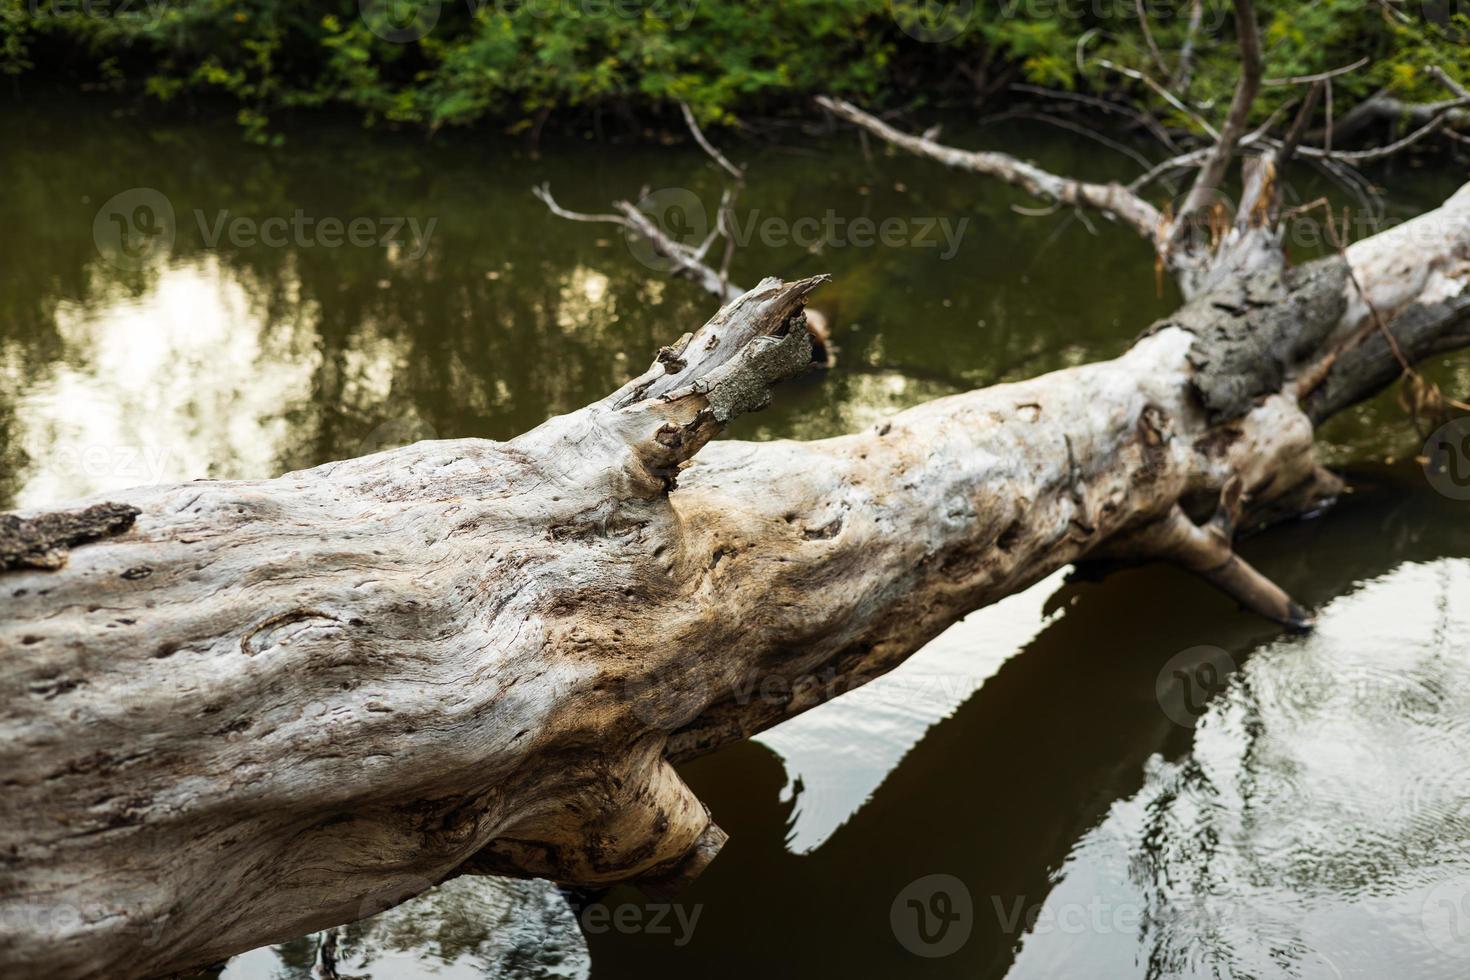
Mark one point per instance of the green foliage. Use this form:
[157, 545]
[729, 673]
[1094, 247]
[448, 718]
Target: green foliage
[456, 62]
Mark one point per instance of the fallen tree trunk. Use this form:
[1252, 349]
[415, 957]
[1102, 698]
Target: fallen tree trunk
[269, 707]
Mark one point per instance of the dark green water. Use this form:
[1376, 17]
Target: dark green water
[1125, 779]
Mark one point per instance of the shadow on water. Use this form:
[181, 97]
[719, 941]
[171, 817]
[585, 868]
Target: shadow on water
[1001, 793]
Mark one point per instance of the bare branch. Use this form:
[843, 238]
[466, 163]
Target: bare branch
[1195, 157]
[1389, 149]
[1208, 180]
[543, 194]
[1320, 76]
[708, 148]
[1327, 108]
[1163, 93]
[1184, 73]
[687, 261]
[1142, 118]
[1443, 77]
[1260, 200]
[1148, 37]
[1113, 199]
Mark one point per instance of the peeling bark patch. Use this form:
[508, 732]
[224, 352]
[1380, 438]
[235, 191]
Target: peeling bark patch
[1252, 331]
[745, 385]
[42, 541]
[272, 632]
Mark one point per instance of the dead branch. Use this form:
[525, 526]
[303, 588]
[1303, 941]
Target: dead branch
[686, 260]
[1212, 171]
[1184, 72]
[708, 148]
[1112, 199]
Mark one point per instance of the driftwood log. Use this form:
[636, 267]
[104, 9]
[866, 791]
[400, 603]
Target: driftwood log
[264, 708]
[235, 712]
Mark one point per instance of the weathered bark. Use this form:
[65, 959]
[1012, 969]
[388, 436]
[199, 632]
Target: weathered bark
[269, 707]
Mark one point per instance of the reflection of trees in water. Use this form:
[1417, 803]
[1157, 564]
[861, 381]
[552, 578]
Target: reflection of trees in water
[485, 335]
[490, 927]
[1328, 778]
[512, 315]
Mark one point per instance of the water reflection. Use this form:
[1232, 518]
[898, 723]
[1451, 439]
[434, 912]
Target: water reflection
[1319, 826]
[183, 383]
[466, 928]
[217, 353]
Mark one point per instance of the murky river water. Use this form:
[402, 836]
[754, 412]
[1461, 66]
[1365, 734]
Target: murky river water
[1119, 779]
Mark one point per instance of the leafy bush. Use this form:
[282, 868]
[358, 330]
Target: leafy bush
[455, 62]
